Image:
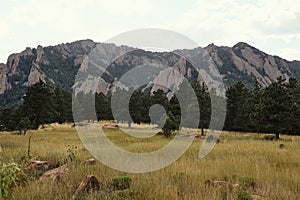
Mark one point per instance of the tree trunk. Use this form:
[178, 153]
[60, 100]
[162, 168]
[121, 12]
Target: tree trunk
[167, 133]
[277, 136]
[37, 122]
[202, 131]
[129, 124]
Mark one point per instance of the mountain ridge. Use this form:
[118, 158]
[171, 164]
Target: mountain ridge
[59, 65]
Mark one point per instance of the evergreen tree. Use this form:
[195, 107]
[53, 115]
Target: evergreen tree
[120, 107]
[218, 110]
[23, 125]
[62, 105]
[293, 88]
[139, 107]
[144, 112]
[174, 107]
[159, 97]
[276, 108]
[189, 108]
[255, 113]
[237, 116]
[171, 124]
[7, 120]
[204, 102]
[15, 119]
[85, 103]
[103, 107]
[39, 104]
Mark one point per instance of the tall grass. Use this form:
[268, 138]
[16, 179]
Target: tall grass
[276, 171]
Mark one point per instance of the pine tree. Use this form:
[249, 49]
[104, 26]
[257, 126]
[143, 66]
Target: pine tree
[255, 113]
[276, 108]
[204, 102]
[237, 117]
[103, 107]
[62, 105]
[7, 120]
[39, 104]
[293, 88]
[171, 124]
[120, 107]
[139, 107]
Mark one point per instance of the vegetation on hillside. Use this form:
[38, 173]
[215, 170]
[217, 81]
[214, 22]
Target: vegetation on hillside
[273, 109]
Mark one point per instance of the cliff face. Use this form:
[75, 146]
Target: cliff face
[54, 64]
[59, 65]
[4, 85]
[246, 63]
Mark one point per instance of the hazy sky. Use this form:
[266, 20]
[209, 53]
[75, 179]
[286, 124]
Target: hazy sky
[270, 25]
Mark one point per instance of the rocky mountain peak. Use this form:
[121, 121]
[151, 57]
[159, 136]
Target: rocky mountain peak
[59, 65]
[242, 45]
[211, 47]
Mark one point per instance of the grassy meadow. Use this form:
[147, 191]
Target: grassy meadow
[274, 172]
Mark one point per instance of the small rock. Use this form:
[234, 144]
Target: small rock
[160, 133]
[255, 196]
[90, 161]
[199, 136]
[281, 146]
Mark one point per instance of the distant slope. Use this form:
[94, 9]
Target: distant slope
[59, 64]
[243, 62]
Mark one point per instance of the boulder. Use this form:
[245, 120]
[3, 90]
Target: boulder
[38, 165]
[56, 174]
[89, 183]
[110, 126]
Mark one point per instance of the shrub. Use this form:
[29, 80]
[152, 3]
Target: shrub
[243, 195]
[8, 178]
[269, 137]
[71, 153]
[121, 183]
[124, 194]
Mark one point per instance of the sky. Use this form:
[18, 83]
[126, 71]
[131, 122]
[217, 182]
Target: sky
[271, 26]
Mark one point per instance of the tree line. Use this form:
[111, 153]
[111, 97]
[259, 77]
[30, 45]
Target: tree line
[272, 109]
[41, 104]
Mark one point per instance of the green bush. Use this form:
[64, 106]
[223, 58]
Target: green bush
[243, 195]
[8, 178]
[121, 183]
[124, 194]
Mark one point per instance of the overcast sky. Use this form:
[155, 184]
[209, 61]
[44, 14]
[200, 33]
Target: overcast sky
[270, 25]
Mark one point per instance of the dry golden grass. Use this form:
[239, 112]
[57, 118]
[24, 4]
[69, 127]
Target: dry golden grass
[276, 171]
